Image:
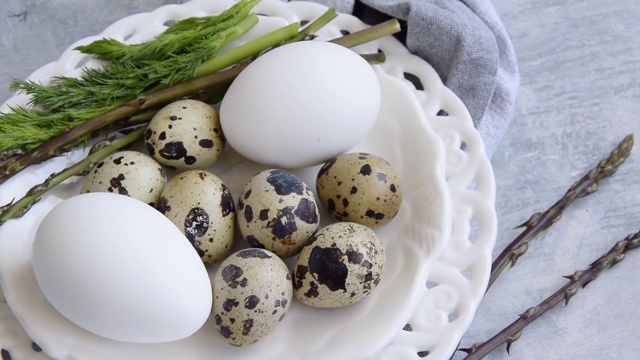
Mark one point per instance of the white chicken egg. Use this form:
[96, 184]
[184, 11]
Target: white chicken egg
[300, 105]
[118, 268]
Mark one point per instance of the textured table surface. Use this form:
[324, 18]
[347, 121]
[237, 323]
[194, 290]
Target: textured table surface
[580, 95]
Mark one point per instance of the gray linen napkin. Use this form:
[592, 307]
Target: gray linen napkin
[467, 44]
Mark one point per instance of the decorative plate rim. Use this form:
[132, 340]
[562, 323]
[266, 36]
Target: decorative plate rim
[456, 130]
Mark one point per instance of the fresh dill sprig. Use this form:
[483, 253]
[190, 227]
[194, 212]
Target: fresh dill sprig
[115, 83]
[118, 82]
[31, 127]
[181, 37]
[133, 70]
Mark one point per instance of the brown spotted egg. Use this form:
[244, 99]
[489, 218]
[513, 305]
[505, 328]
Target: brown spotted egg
[185, 135]
[277, 211]
[129, 173]
[341, 266]
[202, 207]
[252, 291]
[361, 188]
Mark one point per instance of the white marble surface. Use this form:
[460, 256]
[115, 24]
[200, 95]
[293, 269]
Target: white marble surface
[580, 95]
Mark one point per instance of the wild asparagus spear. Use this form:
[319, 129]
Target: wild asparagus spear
[97, 153]
[577, 281]
[540, 221]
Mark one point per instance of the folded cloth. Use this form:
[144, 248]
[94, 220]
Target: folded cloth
[467, 44]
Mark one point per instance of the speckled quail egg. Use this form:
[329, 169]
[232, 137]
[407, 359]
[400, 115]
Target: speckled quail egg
[361, 188]
[277, 211]
[252, 291]
[341, 266]
[129, 173]
[185, 135]
[201, 205]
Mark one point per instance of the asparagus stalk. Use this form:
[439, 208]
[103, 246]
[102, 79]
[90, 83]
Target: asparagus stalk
[540, 221]
[577, 281]
[9, 154]
[97, 153]
[247, 50]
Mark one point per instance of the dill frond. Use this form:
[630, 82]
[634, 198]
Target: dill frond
[28, 128]
[172, 57]
[182, 37]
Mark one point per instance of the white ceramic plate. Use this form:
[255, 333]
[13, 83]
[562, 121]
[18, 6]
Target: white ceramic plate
[442, 237]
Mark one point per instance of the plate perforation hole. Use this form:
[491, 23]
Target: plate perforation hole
[345, 32]
[442, 112]
[412, 78]
[464, 146]
[83, 62]
[424, 353]
[168, 23]
[453, 316]
[407, 328]
[474, 229]
[6, 355]
[36, 347]
[431, 284]
[467, 274]
[472, 186]
[304, 22]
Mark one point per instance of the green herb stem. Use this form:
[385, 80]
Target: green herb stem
[375, 58]
[240, 29]
[248, 49]
[378, 31]
[315, 25]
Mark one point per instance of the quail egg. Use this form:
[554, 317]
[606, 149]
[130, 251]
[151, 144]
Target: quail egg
[129, 173]
[277, 211]
[185, 135]
[361, 188]
[201, 205]
[341, 266]
[252, 291]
